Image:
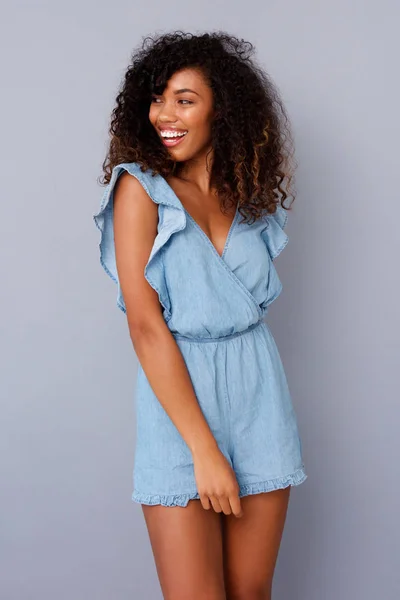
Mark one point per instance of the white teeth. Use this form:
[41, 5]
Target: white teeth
[171, 134]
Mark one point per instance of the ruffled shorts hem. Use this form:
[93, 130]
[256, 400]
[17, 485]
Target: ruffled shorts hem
[293, 479]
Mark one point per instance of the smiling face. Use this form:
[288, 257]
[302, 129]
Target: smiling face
[182, 115]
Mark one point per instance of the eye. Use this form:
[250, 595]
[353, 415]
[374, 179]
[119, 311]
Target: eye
[155, 99]
[185, 101]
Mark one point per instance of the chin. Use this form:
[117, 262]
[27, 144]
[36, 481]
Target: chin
[179, 156]
[182, 155]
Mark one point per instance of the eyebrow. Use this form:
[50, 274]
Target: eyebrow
[185, 90]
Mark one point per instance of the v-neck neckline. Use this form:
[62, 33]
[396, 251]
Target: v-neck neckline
[208, 239]
[201, 230]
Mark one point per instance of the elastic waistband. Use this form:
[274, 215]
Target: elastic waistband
[222, 338]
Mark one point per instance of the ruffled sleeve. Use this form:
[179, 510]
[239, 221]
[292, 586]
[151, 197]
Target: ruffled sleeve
[274, 236]
[171, 219]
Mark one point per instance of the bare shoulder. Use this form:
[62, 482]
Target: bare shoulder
[129, 188]
[135, 229]
[134, 210]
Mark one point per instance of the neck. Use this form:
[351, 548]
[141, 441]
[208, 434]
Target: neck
[198, 172]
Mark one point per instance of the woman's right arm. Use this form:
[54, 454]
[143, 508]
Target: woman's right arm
[135, 228]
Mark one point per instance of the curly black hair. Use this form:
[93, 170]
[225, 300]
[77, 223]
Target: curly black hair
[253, 159]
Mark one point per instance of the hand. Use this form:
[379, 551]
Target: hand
[216, 483]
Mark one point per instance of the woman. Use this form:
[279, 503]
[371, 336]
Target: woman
[191, 221]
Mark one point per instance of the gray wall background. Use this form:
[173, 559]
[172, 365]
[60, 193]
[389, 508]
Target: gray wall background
[68, 527]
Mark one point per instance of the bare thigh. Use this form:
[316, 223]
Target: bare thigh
[251, 545]
[187, 548]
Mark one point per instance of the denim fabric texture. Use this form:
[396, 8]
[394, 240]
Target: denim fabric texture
[214, 306]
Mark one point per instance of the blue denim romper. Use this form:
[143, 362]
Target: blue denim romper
[214, 307]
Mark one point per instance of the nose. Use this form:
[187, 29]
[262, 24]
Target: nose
[166, 113]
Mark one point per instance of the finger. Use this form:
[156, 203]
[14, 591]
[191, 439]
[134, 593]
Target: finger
[236, 506]
[225, 505]
[215, 504]
[205, 502]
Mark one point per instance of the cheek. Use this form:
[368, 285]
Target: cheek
[153, 114]
[201, 123]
